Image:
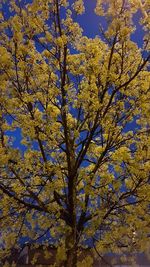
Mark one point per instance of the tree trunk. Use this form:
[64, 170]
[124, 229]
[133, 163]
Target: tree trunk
[71, 238]
[71, 251]
[71, 258]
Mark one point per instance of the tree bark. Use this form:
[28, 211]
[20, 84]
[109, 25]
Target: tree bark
[71, 238]
[71, 251]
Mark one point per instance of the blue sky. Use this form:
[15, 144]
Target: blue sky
[90, 22]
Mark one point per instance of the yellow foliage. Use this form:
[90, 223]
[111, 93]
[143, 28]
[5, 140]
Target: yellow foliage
[74, 126]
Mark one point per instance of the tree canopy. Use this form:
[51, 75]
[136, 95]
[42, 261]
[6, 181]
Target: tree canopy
[79, 107]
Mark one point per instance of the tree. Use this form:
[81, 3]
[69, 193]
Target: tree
[80, 110]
